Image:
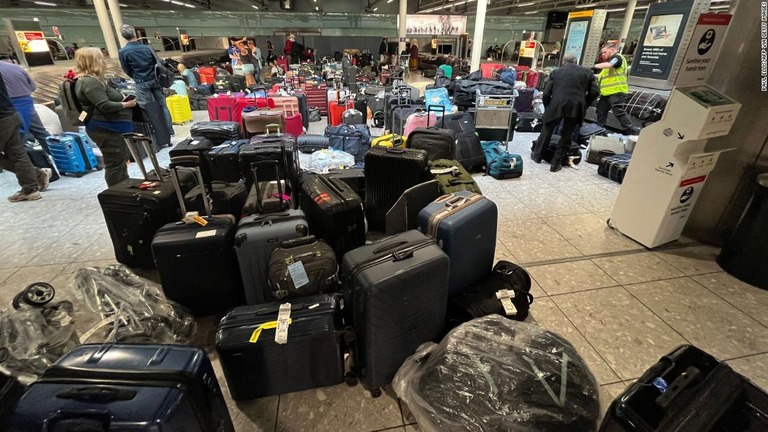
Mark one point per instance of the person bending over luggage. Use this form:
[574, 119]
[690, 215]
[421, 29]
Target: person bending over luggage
[138, 62]
[108, 114]
[568, 93]
[13, 155]
[614, 88]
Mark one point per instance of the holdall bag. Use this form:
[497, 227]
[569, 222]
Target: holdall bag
[198, 102]
[308, 143]
[572, 155]
[301, 267]
[395, 294]
[459, 219]
[257, 362]
[504, 291]
[120, 387]
[191, 257]
[216, 131]
[614, 167]
[349, 139]
[501, 164]
[255, 122]
[452, 177]
[335, 212]
[257, 236]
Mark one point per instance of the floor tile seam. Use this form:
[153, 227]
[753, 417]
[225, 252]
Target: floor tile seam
[581, 291]
[744, 356]
[661, 257]
[277, 413]
[658, 316]
[726, 300]
[2, 282]
[400, 403]
[600, 355]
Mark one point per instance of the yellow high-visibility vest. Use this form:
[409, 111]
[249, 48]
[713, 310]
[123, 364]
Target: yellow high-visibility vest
[614, 80]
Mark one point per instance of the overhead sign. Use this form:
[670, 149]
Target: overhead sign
[581, 14]
[528, 49]
[32, 41]
[705, 44]
[662, 32]
[443, 25]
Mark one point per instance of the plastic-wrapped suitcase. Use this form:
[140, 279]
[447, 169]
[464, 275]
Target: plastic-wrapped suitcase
[452, 176]
[335, 212]
[197, 264]
[301, 267]
[455, 221]
[689, 390]
[257, 236]
[113, 387]
[224, 160]
[133, 214]
[388, 173]
[395, 294]
[72, 153]
[614, 167]
[256, 364]
[216, 131]
[269, 147]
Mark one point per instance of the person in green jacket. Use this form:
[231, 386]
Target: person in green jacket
[109, 115]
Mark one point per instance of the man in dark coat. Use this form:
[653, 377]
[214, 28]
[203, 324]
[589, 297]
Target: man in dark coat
[569, 91]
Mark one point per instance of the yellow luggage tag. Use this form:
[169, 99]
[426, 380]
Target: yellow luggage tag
[269, 325]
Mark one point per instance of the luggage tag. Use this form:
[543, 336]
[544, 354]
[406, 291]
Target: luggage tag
[506, 297]
[194, 217]
[283, 321]
[298, 274]
[266, 326]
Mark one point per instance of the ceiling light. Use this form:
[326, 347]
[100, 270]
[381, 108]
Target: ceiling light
[585, 6]
[123, 5]
[389, 1]
[255, 7]
[531, 12]
[375, 9]
[45, 3]
[720, 7]
[524, 4]
[317, 8]
[624, 9]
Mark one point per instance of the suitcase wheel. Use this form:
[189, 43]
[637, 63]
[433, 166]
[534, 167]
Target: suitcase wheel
[375, 393]
[610, 225]
[350, 379]
[37, 294]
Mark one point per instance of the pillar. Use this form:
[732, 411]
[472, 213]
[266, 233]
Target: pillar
[477, 41]
[117, 19]
[628, 14]
[403, 30]
[106, 27]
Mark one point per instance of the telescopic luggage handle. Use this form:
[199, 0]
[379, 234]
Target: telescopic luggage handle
[131, 141]
[193, 162]
[254, 170]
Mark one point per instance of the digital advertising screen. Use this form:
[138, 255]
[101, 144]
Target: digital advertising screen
[575, 38]
[661, 36]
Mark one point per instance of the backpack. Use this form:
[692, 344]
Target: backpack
[70, 104]
[508, 75]
[165, 74]
[501, 164]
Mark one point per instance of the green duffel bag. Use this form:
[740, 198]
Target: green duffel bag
[452, 176]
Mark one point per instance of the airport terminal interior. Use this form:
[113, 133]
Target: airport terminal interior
[622, 283]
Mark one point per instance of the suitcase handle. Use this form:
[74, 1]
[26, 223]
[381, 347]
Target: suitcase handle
[452, 201]
[276, 164]
[389, 246]
[131, 140]
[100, 394]
[188, 161]
[438, 108]
[272, 125]
[301, 241]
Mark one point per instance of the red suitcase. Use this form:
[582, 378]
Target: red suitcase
[282, 62]
[294, 123]
[207, 75]
[532, 79]
[222, 108]
[336, 111]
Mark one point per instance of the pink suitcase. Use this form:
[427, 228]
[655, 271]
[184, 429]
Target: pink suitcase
[221, 108]
[419, 119]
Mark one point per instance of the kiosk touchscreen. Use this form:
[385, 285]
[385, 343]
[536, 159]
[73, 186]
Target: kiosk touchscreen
[582, 35]
[670, 165]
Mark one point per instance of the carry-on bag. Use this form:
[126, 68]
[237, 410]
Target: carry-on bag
[349, 139]
[301, 267]
[274, 146]
[469, 151]
[455, 221]
[354, 177]
[121, 387]
[400, 114]
[294, 124]
[689, 390]
[352, 117]
[336, 109]
[135, 209]
[452, 176]
[259, 359]
[224, 160]
[388, 173]
[269, 196]
[504, 291]
[72, 153]
[311, 143]
[199, 146]
[180, 109]
[335, 212]
[257, 236]
[216, 131]
[419, 119]
[195, 257]
[439, 143]
[225, 198]
[614, 167]
[395, 294]
[500, 164]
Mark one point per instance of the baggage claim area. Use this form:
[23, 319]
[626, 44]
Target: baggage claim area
[378, 215]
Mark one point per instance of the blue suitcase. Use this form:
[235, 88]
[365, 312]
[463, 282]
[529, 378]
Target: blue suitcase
[72, 153]
[114, 387]
[455, 221]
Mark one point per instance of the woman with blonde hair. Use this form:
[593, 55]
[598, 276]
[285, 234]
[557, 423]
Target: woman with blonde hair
[108, 112]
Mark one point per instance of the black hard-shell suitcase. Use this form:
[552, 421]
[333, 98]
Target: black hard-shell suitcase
[217, 131]
[41, 159]
[395, 294]
[256, 366]
[122, 387]
[354, 177]
[301, 267]
[689, 390]
[529, 122]
[279, 147]
[572, 154]
[455, 221]
[133, 215]
[335, 212]
[224, 160]
[271, 196]
[225, 198]
[309, 143]
[614, 167]
[197, 263]
[388, 173]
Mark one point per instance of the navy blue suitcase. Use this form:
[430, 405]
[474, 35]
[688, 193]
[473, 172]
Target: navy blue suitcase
[72, 153]
[255, 365]
[114, 387]
[455, 221]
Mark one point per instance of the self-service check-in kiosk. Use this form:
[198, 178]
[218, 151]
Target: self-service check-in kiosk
[582, 35]
[670, 165]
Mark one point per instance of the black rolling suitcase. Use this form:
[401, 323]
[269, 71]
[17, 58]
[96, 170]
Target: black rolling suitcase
[196, 261]
[224, 198]
[217, 131]
[131, 387]
[388, 173]
[614, 167]
[439, 143]
[303, 109]
[224, 160]
[308, 143]
[395, 294]
[255, 365]
[335, 212]
[354, 177]
[271, 196]
[10, 392]
[572, 154]
[529, 122]
[689, 390]
[41, 159]
[279, 147]
[469, 152]
[135, 209]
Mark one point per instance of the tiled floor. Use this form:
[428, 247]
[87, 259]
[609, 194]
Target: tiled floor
[620, 305]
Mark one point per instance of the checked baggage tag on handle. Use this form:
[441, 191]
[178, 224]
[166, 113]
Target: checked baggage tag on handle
[298, 274]
[281, 325]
